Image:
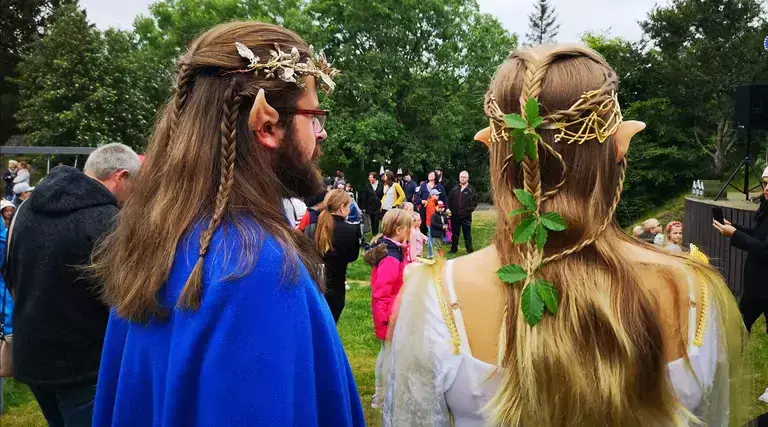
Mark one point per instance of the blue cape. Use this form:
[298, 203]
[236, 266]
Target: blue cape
[260, 351]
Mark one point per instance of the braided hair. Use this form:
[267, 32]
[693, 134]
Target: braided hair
[202, 133]
[605, 314]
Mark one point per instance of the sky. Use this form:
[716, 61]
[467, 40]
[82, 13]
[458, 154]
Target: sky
[616, 17]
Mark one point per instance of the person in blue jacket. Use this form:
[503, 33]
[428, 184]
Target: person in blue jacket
[423, 194]
[218, 316]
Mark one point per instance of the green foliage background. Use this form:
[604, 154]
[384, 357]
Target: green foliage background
[414, 76]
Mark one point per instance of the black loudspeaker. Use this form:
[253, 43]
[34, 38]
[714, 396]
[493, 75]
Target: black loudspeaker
[751, 109]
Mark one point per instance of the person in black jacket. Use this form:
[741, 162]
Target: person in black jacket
[754, 298]
[339, 243]
[442, 180]
[410, 187]
[462, 202]
[59, 320]
[370, 201]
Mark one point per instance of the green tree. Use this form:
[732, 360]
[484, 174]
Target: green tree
[23, 22]
[664, 159]
[171, 25]
[413, 78]
[542, 23]
[82, 88]
[705, 49]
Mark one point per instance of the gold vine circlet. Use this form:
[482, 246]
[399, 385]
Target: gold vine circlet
[591, 126]
[287, 65]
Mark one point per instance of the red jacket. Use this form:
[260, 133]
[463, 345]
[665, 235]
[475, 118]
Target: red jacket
[386, 280]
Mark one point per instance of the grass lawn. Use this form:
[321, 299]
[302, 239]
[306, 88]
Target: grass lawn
[356, 329]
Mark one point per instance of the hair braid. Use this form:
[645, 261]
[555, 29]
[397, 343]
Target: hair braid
[183, 88]
[605, 91]
[535, 70]
[191, 294]
[606, 222]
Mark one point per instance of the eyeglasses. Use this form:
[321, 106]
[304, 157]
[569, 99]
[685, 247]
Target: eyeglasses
[318, 116]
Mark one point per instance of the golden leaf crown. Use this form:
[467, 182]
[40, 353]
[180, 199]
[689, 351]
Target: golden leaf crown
[595, 115]
[288, 65]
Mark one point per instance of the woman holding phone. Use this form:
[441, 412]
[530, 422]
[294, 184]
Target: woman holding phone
[753, 240]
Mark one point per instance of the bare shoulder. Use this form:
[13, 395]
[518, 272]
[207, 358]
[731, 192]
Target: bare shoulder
[477, 270]
[482, 298]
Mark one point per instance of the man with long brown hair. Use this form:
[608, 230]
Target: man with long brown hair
[218, 316]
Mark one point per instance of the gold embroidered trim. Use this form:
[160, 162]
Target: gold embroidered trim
[701, 325]
[447, 315]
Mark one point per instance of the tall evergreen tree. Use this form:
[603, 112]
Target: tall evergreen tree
[80, 87]
[543, 23]
[23, 22]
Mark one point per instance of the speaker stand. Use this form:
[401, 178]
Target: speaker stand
[748, 166]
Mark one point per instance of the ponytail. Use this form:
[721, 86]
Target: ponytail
[334, 200]
[324, 232]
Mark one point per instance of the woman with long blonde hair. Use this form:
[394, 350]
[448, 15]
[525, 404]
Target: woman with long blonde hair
[565, 320]
[339, 243]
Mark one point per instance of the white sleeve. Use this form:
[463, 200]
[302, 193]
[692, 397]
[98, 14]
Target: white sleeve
[421, 361]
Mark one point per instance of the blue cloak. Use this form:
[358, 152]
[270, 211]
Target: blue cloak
[260, 351]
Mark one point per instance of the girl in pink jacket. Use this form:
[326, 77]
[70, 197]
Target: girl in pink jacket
[387, 257]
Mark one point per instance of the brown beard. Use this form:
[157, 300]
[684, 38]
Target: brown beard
[298, 178]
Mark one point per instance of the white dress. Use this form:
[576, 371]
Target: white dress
[433, 380]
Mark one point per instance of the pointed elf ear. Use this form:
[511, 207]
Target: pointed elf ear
[484, 136]
[623, 136]
[263, 120]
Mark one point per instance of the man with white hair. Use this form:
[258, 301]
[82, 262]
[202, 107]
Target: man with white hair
[59, 319]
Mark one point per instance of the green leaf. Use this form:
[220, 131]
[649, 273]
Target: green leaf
[524, 231]
[533, 124]
[531, 111]
[553, 221]
[532, 304]
[515, 121]
[519, 148]
[519, 211]
[548, 293]
[541, 236]
[526, 199]
[532, 149]
[511, 273]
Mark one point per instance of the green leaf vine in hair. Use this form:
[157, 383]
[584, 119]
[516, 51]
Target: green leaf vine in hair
[539, 295]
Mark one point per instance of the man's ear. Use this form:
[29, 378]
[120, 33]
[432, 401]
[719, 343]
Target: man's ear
[263, 122]
[623, 136]
[120, 175]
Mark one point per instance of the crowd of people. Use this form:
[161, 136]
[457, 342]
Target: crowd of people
[211, 298]
[670, 237]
